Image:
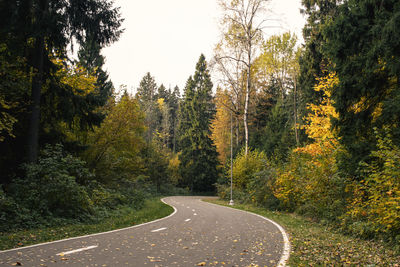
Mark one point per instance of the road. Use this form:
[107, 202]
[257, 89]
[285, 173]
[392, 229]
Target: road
[196, 234]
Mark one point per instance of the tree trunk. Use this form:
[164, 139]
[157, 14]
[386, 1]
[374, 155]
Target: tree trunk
[33, 134]
[246, 102]
[295, 111]
[245, 115]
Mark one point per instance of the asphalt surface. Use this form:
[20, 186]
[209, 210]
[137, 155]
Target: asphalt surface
[196, 234]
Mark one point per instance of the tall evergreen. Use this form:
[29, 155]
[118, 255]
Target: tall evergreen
[367, 98]
[38, 29]
[147, 96]
[313, 62]
[198, 153]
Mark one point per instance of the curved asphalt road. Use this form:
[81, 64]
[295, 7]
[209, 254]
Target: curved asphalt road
[196, 234]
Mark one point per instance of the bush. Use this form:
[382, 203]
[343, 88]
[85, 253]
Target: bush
[245, 166]
[50, 187]
[310, 184]
[260, 189]
[376, 199]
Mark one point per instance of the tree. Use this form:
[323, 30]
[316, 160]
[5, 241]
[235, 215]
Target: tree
[240, 44]
[279, 63]
[147, 96]
[313, 62]
[13, 80]
[40, 27]
[198, 154]
[368, 92]
[115, 145]
[221, 126]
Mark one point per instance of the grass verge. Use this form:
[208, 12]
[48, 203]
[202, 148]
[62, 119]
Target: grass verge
[313, 244]
[153, 209]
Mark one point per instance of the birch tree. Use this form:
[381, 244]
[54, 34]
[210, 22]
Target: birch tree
[242, 25]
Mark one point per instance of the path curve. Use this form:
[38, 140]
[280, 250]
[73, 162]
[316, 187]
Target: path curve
[196, 234]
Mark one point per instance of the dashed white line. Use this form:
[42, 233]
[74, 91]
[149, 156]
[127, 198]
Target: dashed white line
[187, 220]
[194, 214]
[159, 229]
[193, 210]
[76, 250]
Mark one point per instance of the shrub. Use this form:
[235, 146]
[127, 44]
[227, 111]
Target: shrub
[245, 166]
[50, 187]
[260, 189]
[376, 201]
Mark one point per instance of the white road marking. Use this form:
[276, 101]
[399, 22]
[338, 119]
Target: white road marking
[97, 234]
[193, 210]
[194, 214]
[187, 220]
[76, 250]
[158, 230]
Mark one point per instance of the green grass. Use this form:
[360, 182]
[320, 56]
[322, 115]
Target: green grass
[313, 244]
[120, 218]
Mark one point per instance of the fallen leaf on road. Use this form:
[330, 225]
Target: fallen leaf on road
[201, 264]
[17, 264]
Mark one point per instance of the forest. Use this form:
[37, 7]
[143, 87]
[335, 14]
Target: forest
[308, 128]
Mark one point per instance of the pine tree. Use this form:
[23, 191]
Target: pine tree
[199, 163]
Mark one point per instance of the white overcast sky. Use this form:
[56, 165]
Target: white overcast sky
[166, 38]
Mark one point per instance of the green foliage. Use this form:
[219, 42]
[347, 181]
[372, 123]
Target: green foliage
[12, 81]
[51, 186]
[156, 165]
[261, 189]
[313, 62]
[115, 145]
[245, 166]
[277, 136]
[367, 95]
[198, 158]
[120, 217]
[374, 208]
[310, 185]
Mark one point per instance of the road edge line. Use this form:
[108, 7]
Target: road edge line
[286, 243]
[95, 234]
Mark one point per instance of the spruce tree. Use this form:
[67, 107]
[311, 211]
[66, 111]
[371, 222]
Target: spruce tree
[147, 96]
[199, 162]
[367, 97]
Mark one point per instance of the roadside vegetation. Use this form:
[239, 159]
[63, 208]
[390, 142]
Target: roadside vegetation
[310, 131]
[120, 217]
[316, 244]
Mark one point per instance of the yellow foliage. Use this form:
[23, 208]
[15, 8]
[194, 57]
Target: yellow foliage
[161, 103]
[173, 168]
[221, 126]
[76, 76]
[318, 124]
[377, 197]
[310, 177]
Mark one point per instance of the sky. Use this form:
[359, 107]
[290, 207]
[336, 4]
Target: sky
[166, 38]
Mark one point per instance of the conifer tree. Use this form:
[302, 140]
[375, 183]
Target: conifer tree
[198, 153]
